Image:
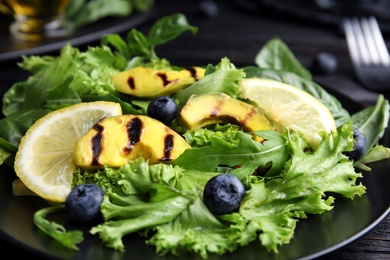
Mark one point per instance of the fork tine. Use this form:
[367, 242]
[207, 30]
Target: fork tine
[361, 41]
[370, 40]
[352, 42]
[379, 41]
[367, 50]
[365, 41]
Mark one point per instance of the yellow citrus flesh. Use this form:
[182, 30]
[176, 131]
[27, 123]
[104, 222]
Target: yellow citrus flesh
[289, 107]
[44, 160]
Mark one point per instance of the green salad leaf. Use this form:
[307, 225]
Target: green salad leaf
[277, 55]
[75, 76]
[222, 78]
[240, 152]
[69, 239]
[141, 48]
[83, 12]
[164, 202]
[285, 179]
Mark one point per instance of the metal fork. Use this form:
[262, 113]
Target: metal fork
[368, 51]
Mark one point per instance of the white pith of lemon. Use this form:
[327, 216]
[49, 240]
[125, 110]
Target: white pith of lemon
[289, 107]
[44, 160]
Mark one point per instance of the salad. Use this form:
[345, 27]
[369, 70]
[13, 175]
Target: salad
[280, 174]
[83, 12]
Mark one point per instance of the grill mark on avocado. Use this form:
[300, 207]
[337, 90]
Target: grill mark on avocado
[131, 83]
[133, 130]
[193, 73]
[249, 116]
[216, 109]
[168, 147]
[97, 144]
[164, 78]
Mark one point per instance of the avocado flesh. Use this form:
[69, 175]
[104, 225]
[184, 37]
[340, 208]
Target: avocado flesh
[149, 83]
[201, 110]
[114, 141]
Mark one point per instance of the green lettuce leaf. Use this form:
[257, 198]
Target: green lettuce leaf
[222, 78]
[273, 207]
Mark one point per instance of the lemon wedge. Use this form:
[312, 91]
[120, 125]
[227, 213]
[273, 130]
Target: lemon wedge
[44, 160]
[289, 107]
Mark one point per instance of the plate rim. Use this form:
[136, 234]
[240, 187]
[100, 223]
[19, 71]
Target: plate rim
[121, 25]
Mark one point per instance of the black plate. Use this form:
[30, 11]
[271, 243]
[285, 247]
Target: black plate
[315, 236]
[11, 49]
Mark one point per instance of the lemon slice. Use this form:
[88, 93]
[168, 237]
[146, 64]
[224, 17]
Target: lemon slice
[44, 160]
[289, 107]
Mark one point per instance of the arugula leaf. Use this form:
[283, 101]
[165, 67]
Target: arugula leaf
[372, 121]
[75, 76]
[82, 12]
[142, 47]
[168, 28]
[222, 78]
[13, 127]
[240, 152]
[56, 83]
[6, 155]
[376, 153]
[276, 55]
[69, 239]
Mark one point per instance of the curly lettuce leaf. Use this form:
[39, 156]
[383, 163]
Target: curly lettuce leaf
[273, 207]
[143, 197]
[197, 230]
[138, 216]
[164, 203]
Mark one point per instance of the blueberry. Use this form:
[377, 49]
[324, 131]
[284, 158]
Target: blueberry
[163, 108]
[324, 63]
[208, 8]
[83, 202]
[359, 147]
[223, 194]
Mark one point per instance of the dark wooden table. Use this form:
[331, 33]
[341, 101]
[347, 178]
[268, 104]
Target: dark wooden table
[239, 34]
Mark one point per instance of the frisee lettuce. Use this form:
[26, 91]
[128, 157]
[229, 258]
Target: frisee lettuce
[164, 202]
